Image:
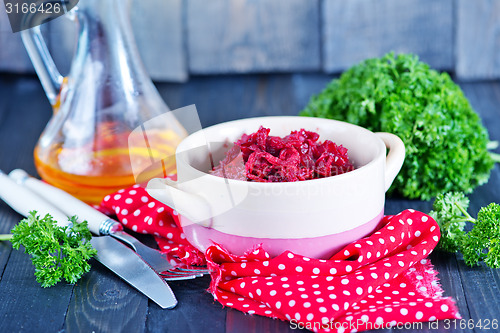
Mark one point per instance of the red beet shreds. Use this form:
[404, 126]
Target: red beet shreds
[297, 156]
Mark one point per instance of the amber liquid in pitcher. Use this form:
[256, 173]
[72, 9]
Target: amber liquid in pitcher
[91, 173]
[110, 128]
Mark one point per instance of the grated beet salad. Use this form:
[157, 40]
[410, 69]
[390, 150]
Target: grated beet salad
[298, 156]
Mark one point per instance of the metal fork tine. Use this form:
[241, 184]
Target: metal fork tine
[157, 260]
[193, 270]
[179, 278]
[180, 273]
[160, 262]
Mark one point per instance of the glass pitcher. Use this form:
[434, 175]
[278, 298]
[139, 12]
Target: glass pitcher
[87, 147]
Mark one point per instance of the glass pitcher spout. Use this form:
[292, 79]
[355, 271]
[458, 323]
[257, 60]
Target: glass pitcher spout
[87, 146]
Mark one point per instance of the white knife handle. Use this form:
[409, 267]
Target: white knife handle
[22, 200]
[99, 223]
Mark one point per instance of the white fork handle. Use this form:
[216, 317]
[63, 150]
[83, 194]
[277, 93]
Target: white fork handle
[22, 200]
[67, 203]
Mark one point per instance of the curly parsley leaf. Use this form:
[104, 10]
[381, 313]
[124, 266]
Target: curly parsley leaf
[482, 243]
[56, 252]
[446, 143]
[448, 211]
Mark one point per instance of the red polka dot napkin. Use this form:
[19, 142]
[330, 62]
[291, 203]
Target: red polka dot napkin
[380, 281]
[377, 282]
[139, 212]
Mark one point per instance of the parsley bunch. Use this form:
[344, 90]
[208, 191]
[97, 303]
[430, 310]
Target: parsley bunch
[56, 252]
[482, 243]
[446, 144]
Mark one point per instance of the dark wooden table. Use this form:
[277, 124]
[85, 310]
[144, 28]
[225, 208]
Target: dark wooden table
[101, 302]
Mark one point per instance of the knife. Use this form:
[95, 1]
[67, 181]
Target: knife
[111, 253]
[99, 223]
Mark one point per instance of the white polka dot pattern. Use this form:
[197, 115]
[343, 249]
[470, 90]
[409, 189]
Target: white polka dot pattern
[378, 280]
[383, 279]
[141, 213]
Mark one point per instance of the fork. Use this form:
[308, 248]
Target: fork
[101, 224]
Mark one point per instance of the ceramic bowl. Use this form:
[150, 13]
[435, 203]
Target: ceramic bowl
[315, 218]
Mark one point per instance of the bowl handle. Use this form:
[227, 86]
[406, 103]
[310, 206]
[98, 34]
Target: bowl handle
[192, 206]
[395, 156]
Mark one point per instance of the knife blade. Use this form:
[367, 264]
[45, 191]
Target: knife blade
[99, 223]
[111, 253]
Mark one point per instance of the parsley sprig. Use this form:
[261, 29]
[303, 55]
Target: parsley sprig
[447, 145]
[56, 252]
[482, 242]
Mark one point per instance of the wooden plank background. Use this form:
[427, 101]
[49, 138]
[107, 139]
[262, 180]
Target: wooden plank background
[179, 38]
[157, 26]
[227, 36]
[478, 39]
[159, 33]
[355, 30]
[99, 302]
[13, 56]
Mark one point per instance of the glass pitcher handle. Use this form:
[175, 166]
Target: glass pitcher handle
[47, 71]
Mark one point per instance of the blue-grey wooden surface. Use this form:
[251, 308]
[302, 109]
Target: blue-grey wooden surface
[158, 29]
[13, 57]
[101, 302]
[227, 36]
[478, 39]
[157, 26]
[355, 30]
[179, 38]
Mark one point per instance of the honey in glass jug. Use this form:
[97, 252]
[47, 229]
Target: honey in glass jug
[87, 146]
